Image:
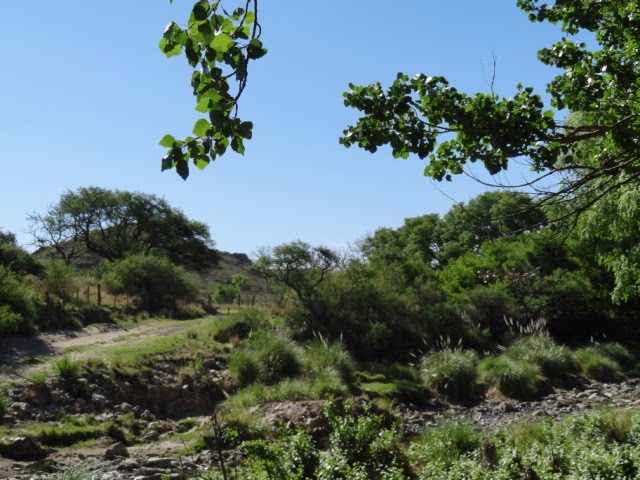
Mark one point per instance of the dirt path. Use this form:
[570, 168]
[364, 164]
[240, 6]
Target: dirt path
[23, 356]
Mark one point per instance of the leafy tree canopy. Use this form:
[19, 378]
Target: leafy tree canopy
[426, 116]
[114, 224]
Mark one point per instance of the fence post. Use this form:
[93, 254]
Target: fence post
[99, 294]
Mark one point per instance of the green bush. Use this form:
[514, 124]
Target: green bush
[244, 367]
[10, 323]
[555, 361]
[596, 365]
[18, 305]
[451, 373]
[514, 378]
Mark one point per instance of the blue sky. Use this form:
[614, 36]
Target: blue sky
[85, 96]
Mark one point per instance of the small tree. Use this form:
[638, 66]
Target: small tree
[59, 279]
[156, 281]
[302, 268]
[226, 293]
[239, 281]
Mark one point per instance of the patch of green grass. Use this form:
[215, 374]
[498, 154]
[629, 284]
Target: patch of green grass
[446, 444]
[326, 384]
[321, 354]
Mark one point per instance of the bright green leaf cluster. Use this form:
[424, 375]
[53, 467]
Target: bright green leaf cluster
[218, 44]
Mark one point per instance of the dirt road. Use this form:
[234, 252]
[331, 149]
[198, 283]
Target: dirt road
[23, 356]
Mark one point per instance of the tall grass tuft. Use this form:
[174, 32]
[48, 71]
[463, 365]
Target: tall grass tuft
[597, 365]
[555, 361]
[66, 368]
[278, 358]
[513, 377]
[451, 373]
[322, 354]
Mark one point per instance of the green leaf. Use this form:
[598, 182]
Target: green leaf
[201, 162]
[250, 18]
[182, 167]
[200, 12]
[201, 128]
[222, 42]
[167, 141]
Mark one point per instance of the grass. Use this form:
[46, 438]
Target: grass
[597, 365]
[66, 368]
[555, 361]
[447, 443]
[451, 373]
[324, 385]
[513, 377]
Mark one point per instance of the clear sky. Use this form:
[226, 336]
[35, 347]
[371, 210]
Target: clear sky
[85, 96]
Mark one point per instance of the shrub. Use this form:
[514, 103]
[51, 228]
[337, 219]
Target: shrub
[555, 361]
[513, 377]
[451, 373]
[10, 323]
[18, 305]
[244, 367]
[596, 365]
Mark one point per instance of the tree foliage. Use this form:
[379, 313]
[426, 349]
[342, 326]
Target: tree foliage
[114, 224]
[300, 267]
[428, 117]
[218, 44]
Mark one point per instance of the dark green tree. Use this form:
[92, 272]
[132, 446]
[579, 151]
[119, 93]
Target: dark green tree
[302, 268]
[114, 224]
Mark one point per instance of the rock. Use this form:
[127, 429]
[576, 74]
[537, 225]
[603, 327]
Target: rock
[116, 450]
[159, 462]
[125, 407]
[24, 449]
[129, 464]
[100, 401]
[147, 416]
[150, 437]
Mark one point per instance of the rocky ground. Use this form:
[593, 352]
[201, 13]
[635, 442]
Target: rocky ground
[153, 413]
[157, 457]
